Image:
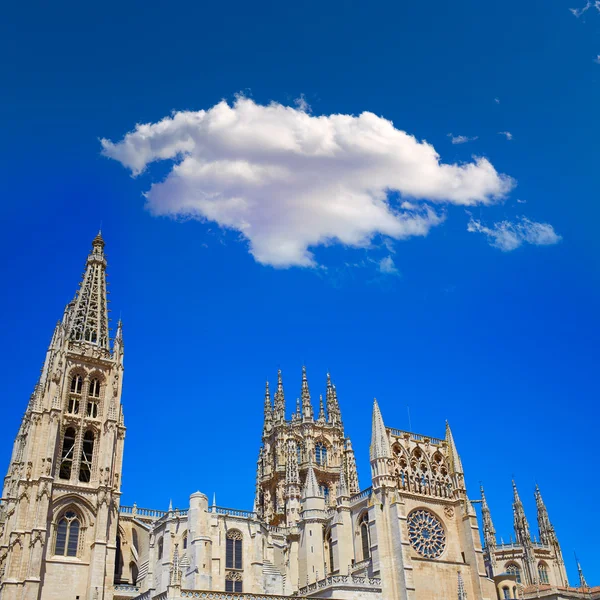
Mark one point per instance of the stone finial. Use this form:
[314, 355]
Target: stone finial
[455, 462]
[311, 488]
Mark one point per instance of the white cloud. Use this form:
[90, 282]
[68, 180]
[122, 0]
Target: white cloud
[589, 4]
[507, 134]
[519, 201]
[461, 139]
[597, 59]
[290, 181]
[497, 100]
[507, 235]
[387, 266]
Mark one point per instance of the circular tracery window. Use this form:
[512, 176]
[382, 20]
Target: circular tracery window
[426, 533]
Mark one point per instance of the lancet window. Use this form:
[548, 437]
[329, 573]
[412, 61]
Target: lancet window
[329, 552]
[324, 491]
[321, 454]
[160, 549]
[87, 456]
[233, 581]
[513, 569]
[68, 453]
[134, 539]
[364, 536]
[95, 388]
[233, 550]
[67, 535]
[543, 573]
[76, 384]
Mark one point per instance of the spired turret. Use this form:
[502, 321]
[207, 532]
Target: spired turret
[62, 488]
[303, 440]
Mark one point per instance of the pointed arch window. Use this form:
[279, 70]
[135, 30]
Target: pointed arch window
[87, 456]
[133, 570]
[329, 552]
[364, 536]
[95, 388]
[299, 453]
[67, 455]
[233, 581]
[321, 454]
[184, 542]
[160, 549]
[67, 535]
[134, 539]
[233, 550]
[543, 573]
[76, 384]
[324, 491]
[513, 569]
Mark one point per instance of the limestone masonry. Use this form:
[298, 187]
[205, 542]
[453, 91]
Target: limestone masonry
[312, 533]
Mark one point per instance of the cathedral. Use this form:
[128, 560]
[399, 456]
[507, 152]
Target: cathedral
[313, 532]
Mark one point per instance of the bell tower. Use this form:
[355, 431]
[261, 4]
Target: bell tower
[60, 504]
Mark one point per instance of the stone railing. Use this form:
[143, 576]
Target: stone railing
[347, 581]
[125, 587]
[233, 512]
[515, 545]
[233, 596]
[417, 437]
[144, 513]
[364, 494]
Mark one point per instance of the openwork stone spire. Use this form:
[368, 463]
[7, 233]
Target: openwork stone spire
[547, 535]
[342, 488]
[489, 533]
[582, 582]
[279, 410]
[307, 410]
[520, 520]
[380, 444]
[89, 313]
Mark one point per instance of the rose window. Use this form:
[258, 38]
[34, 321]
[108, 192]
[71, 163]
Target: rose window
[426, 533]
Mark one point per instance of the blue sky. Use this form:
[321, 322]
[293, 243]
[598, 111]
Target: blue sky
[494, 329]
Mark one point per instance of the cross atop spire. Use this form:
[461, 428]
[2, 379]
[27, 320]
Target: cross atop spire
[89, 310]
[380, 444]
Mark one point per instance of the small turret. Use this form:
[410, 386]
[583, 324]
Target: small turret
[321, 409]
[489, 533]
[268, 410]
[380, 451]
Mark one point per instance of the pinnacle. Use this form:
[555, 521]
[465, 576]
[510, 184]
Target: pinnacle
[311, 488]
[380, 445]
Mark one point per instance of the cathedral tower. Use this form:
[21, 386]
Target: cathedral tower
[60, 504]
[302, 440]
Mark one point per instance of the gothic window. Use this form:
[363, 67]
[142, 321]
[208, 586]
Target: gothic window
[92, 409]
[299, 453]
[543, 573]
[134, 539]
[73, 405]
[87, 455]
[184, 542]
[505, 592]
[426, 533]
[95, 388]
[233, 550]
[134, 573]
[321, 454]
[67, 535]
[90, 335]
[76, 384]
[68, 449]
[233, 581]
[324, 491]
[160, 549]
[513, 569]
[329, 551]
[364, 536]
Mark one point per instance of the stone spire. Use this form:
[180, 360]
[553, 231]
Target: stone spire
[311, 488]
[307, 409]
[462, 593]
[279, 410]
[522, 533]
[455, 462]
[380, 444]
[321, 409]
[547, 535]
[351, 471]
[89, 311]
[268, 409]
[292, 476]
[175, 574]
[342, 491]
[582, 582]
[489, 533]
[333, 409]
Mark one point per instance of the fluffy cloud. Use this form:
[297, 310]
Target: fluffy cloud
[387, 266]
[508, 236]
[461, 139]
[290, 181]
[507, 134]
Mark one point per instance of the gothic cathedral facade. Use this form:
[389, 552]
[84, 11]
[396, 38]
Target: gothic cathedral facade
[412, 534]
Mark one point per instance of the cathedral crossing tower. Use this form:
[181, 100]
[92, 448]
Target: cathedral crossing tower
[60, 503]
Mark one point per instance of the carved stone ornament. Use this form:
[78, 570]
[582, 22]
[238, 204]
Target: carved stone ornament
[449, 511]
